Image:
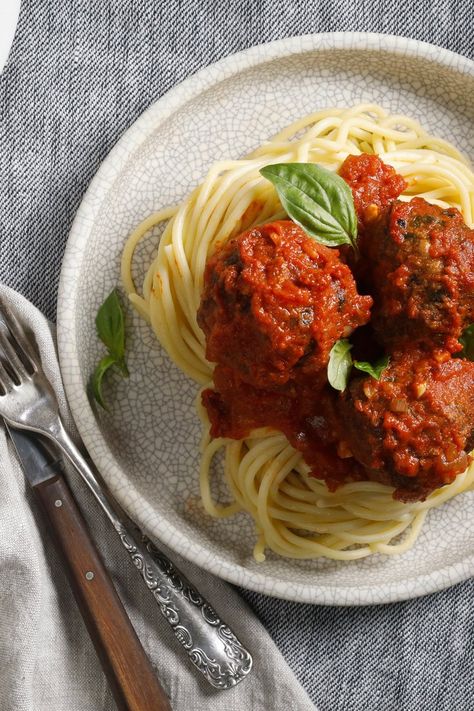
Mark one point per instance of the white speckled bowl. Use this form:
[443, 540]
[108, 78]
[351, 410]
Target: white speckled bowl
[147, 447]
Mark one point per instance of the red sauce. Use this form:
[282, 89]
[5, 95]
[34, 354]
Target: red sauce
[305, 414]
[411, 428]
[274, 303]
[374, 185]
[421, 261]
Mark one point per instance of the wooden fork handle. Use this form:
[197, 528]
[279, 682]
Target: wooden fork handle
[130, 674]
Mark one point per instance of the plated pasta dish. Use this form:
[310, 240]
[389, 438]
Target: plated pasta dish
[320, 292]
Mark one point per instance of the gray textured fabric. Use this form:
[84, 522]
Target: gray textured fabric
[79, 74]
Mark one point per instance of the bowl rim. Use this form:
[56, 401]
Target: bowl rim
[81, 409]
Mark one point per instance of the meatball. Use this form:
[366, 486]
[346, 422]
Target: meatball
[374, 185]
[421, 274]
[412, 429]
[274, 303]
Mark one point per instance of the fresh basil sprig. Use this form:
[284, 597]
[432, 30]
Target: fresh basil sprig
[467, 341]
[374, 370]
[111, 331]
[317, 199]
[340, 365]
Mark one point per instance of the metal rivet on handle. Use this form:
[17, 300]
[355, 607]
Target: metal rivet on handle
[58, 503]
[89, 575]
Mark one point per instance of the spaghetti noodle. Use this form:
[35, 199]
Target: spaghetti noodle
[294, 513]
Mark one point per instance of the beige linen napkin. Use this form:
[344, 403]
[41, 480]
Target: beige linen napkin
[47, 661]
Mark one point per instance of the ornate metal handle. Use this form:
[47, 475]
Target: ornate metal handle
[210, 644]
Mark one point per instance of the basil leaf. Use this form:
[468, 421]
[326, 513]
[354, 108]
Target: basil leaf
[317, 199]
[340, 364]
[467, 341]
[97, 377]
[374, 370]
[110, 325]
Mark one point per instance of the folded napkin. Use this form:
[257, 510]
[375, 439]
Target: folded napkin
[47, 661]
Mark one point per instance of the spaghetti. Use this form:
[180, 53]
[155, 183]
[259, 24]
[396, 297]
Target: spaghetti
[295, 514]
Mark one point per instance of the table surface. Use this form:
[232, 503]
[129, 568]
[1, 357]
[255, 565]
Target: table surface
[77, 77]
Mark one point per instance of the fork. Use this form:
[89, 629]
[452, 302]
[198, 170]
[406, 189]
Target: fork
[28, 401]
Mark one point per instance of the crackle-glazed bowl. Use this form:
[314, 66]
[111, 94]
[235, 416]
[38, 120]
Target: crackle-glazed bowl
[146, 447]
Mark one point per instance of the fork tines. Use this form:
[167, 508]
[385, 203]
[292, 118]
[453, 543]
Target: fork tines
[17, 360]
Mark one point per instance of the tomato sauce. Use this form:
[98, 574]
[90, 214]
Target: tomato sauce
[411, 428]
[374, 185]
[275, 302]
[421, 259]
[306, 415]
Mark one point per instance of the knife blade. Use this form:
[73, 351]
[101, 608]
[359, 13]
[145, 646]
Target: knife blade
[131, 676]
[37, 460]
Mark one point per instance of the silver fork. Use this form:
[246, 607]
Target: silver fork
[27, 401]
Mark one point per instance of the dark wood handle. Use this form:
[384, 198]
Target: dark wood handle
[128, 670]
